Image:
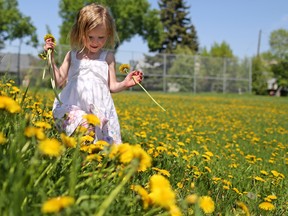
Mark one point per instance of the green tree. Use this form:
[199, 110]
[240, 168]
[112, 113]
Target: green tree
[131, 17]
[259, 77]
[278, 58]
[278, 42]
[15, 25]
[221, 50]
[178, 30]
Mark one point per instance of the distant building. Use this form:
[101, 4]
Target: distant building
[9, 62]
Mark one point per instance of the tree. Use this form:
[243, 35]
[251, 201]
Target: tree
[178, 30]
[14, 25]
[131, 17]
[221, 50]
[279, 57]
[279, 43]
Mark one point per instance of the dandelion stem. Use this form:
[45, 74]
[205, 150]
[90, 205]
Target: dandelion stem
[49, 57]
[148, 94]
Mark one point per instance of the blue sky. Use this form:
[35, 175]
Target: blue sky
[238, 23]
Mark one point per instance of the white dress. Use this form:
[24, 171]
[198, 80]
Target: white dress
[86, 92]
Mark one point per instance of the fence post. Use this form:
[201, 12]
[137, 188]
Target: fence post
[250, 75]
[196, 69]
[164, 72]
[224, 75]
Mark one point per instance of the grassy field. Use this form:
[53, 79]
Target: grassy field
[206, 155]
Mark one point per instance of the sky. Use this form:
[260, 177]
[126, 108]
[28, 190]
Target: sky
[242, 24]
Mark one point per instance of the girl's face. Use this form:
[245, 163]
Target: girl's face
[96, 39]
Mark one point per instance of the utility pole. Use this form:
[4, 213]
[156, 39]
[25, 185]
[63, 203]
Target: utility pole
[259, 43]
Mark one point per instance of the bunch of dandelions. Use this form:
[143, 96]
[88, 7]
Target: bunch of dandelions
[47, 56]
[125, 69]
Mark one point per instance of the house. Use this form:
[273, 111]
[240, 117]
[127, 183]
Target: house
[9, 62]
[272, 86]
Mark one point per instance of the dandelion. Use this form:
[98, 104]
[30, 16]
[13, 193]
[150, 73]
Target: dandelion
[243, 207]
[69, 142]
[267, 206]
[92, 119]
[44, 125]
[206, 204]
[94, 157]
[191, 199]
[162, 171]
[161, 191]
[50, 147]
[129, 152]
[144, 195]
[31, 131]
[180, 185]
[257, 178]
[3, 139]
[9, 104]
[125, 68]
[54, 205]
[272, 197]
[264, 172]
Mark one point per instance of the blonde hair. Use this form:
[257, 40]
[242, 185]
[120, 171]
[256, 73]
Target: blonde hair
[89, 17]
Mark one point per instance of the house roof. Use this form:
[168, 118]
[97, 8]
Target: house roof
[9, 62]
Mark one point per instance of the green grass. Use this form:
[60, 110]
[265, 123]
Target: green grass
[231, 147]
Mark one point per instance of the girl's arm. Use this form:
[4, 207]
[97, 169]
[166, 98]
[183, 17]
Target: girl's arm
[128, 82]
[61, 73]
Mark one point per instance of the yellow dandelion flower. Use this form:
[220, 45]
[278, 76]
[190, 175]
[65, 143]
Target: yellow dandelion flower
[9, 104]
[54, 205]
[31, 131]
[206, 157]
[257, 178]
[236, 190]
[264, 172]
[143, 194]
[206, 204]
[267, 206]
[243, 207]
[124, 68]
[94, 157]
[130, 152]
[92, 119]
[194, 152]
[180, 185]
[192, 185]
[272, 197]
[192, 199]
[162, 171]
[3, 139]
[87, 138]
[277, 174]
[225, 187]
[208, 169]
[210, 154]
[69, 142]
[47, 36]
[161, 191]
[50, 147]
[174, 210]
[44, 125]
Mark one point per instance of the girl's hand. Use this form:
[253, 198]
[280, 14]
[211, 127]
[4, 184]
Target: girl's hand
[133, 78]
[49, 44]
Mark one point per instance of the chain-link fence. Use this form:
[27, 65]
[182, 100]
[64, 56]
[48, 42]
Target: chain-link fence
[163, 72]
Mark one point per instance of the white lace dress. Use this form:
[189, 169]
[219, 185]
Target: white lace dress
[86, 92]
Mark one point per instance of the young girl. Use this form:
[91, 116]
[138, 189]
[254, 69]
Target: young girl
[88, 74]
